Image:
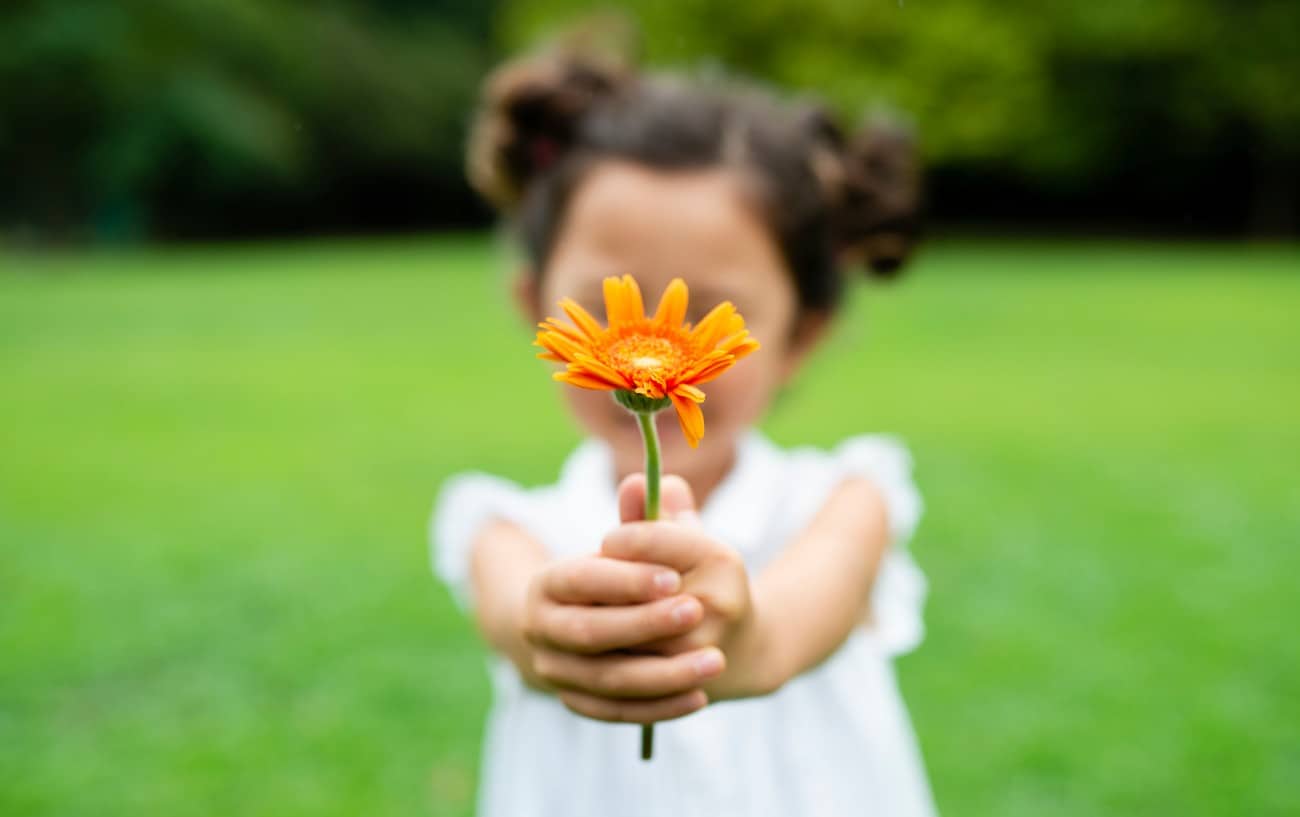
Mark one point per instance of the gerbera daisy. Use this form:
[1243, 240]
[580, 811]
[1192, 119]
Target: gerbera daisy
[647, 361]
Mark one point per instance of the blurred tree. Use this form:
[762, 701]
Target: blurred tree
[135, 118]
[197, 117]
[1116, 107]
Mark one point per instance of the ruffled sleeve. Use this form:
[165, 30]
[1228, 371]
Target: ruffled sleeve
[898, 598]
[465, 504]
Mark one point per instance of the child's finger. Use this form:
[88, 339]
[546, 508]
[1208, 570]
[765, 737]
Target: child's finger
[701, 636]
[676, 500]
[606, 709]
[629, 676]
[583, 629]
[597, 580]
[677, 546]
[631, 498]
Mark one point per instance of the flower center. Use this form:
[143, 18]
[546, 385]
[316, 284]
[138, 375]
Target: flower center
[651, 360]
[644, 352]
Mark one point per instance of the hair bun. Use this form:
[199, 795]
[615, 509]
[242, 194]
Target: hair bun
[876, 211]
[529, 118]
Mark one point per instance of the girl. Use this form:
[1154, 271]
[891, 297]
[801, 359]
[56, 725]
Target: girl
[756, 623]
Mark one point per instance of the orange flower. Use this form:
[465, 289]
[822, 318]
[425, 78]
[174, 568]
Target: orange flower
[656, 357]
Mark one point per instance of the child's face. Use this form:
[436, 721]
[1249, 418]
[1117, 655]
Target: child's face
[655, 226]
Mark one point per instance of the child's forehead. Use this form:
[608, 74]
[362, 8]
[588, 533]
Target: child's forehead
[659, 225]
[590, 289]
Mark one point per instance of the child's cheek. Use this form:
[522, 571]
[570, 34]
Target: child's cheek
[738, 399]
[594, 410]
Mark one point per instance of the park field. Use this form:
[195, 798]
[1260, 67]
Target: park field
[217, 466]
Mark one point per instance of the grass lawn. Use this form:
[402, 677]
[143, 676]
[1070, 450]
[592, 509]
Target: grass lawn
[216, 467]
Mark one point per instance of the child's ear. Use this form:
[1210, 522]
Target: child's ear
[809, 329]
[528, 296]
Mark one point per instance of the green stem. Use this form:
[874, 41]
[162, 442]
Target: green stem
[650, 435]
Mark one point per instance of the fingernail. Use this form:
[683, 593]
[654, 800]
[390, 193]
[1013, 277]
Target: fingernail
[684, 611]
[690, 518]
[709, 663]
[667, 581]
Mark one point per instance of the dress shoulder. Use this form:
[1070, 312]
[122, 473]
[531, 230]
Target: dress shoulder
[466, 502]
[886, 462]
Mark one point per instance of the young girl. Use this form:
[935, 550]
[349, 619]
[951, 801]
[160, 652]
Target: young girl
[756, 623]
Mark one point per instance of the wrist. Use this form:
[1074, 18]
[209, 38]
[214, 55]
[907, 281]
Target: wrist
[511, 630]
[755, 662]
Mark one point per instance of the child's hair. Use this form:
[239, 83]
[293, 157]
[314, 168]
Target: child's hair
[829, 198]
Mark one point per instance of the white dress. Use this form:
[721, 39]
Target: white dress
[834, 741]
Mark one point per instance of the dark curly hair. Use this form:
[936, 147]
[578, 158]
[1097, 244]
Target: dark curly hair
[831, 199]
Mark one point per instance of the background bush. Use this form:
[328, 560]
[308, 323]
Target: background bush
[137, 118]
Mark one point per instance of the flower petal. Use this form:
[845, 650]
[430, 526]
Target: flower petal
[656, 357]
[739, 344]
[690, 392]
[583, 380]
[714, 326]
[690, 418]
[552, 325]
[563, 347]
[672, 306]
[582, 318]
[623, 303]
[713, 371]
[705, 363]
[583, 361]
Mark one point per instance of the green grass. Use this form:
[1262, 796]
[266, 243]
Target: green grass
[216, 467]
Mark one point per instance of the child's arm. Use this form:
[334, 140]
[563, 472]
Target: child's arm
[549, 617]
[811, 596]
[791, 616]
[598, 632]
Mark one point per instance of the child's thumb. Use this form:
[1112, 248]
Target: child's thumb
[676, 501]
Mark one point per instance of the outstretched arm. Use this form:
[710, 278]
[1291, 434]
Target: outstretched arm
[503, 561]
[615, 644]
[811, 596]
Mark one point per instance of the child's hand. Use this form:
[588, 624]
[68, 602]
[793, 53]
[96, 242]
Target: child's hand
[711, 571]
[580, 612]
